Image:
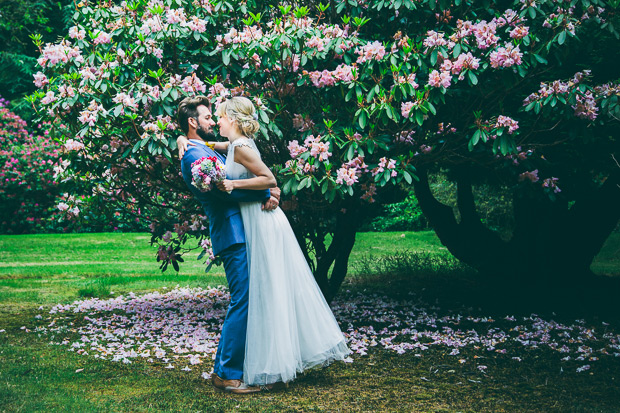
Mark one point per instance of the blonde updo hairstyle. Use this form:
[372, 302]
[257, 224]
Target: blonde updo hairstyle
[240, 110]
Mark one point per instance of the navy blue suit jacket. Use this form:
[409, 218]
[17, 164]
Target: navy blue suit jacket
[222, 209]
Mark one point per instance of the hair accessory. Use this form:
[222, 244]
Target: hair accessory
[255, 116]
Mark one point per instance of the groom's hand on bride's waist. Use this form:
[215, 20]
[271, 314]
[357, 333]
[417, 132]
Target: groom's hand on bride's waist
[275, 192]
[270, 204]
[273, 201]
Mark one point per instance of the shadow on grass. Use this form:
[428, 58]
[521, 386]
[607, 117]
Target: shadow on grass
[442, 279]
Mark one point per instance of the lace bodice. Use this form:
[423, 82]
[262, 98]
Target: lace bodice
[235, 170]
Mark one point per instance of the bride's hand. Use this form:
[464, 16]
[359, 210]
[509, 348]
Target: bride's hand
[226, 185]
[182, 144]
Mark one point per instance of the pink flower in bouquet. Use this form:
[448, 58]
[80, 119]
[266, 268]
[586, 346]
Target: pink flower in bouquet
[206, 172]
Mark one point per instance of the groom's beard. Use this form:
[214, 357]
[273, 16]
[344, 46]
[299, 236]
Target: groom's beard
[204, 135]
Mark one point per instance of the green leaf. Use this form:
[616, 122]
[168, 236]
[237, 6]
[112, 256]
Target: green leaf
[540, 59]
[457, 51]
[350, 152]
[419, 117]
[434, 57]
[503, 145]
[288, 185]
[472, 77]
[362, 119]
[407, 176]
[304, 183]
[562, 37]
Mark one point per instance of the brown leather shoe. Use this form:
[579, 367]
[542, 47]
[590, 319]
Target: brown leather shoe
[233, 386]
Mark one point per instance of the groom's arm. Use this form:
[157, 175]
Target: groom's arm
[242, 195]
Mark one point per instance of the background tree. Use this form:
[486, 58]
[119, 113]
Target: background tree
[19, 19]
[357, 99]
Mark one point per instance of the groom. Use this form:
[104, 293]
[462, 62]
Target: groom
[227, 238]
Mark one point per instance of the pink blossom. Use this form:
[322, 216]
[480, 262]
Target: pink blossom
[465, 61]
[320, 149]
[370, 51]
[437, 79]
[151, 25]
[175, 16]
[197, 25]
[532, 176]
[322, 79]
[77, 33]
[125, 100]
[49, 98]
[506, 56]
[347, 175]
[551, 183]
[167, 237]
[91, 114]
[485, 34]
[40, 80]
[73, 145]
[410, 79]
[406, 137]
[586, 106]
[62, 52]
[405, 109]
[295, 149]
[384, 163]
[344, 73]
[318, 43]
[519, 32]
[193, 85]
[507, 122]
[66, 91]
[434, 39]
[102, 37]
[370, 191]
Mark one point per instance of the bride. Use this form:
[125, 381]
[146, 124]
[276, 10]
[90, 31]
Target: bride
[290, 325]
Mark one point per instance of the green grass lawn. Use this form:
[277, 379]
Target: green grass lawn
[47, 269]
[43, 270]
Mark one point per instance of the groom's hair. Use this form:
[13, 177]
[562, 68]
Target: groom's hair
[188, 108]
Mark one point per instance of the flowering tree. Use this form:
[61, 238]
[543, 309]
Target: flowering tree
[33, 194]
[27, 189]
[356, 100]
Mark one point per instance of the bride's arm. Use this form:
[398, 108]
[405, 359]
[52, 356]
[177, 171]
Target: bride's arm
[247, 157]
[219, 146]
[183, 143]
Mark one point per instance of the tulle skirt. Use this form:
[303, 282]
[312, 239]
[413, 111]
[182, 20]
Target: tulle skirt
[290, 325]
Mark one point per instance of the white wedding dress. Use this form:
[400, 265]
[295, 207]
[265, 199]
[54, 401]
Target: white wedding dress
[290, 325]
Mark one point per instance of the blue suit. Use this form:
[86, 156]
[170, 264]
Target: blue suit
[228, 240]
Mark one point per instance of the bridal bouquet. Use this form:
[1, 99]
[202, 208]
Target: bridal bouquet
[206, 172]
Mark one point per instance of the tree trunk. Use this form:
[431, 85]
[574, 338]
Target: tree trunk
[337, 255]
[552, 246]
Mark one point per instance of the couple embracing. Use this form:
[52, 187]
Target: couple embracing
[278, 323]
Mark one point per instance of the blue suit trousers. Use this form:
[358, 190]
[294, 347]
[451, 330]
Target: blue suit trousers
[231, 349]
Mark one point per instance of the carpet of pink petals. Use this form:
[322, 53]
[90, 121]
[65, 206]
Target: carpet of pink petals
[179, 329]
